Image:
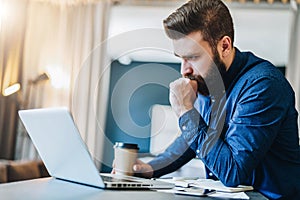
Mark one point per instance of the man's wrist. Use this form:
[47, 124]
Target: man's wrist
[185, 110]
[190, 124]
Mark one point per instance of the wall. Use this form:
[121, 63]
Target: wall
[261, 29]
[134, 89]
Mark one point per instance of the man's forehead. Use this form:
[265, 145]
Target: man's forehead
[189, 45]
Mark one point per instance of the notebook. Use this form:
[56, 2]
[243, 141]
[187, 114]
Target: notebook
[65, 155]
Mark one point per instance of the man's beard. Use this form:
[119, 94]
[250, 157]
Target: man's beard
[213, 83]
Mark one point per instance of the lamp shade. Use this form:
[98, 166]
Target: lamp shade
[11, 89]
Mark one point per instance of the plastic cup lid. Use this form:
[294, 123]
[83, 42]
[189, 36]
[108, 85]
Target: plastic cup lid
[126, 145]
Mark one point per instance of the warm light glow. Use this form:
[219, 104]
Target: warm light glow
[70, 2]
[59, 79]
[3, 13]
[11, 89]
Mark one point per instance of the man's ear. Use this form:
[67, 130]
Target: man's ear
[225, 46]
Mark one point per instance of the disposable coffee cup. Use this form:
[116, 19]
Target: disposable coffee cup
[125, 158]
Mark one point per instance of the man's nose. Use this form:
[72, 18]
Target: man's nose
[186, 68]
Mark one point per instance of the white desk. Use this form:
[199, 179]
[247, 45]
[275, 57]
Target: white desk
[50, 188]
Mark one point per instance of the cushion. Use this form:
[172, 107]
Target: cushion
[43, 170]
[3, 173]
[20, 170]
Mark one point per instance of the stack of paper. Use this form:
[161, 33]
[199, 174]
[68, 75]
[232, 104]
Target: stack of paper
[218, 186]
[188, 186]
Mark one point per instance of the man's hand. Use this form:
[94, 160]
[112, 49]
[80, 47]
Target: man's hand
[140, 169]
[183, 93]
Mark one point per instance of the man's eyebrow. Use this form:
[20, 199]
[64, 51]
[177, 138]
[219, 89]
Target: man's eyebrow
[186, 56]
[177, 55]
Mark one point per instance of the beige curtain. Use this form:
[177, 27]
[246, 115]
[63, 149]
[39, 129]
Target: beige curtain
[293, 67]
[12, 26]
[66, 42]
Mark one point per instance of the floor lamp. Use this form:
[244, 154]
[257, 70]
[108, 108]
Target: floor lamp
[30, 84]
[24, 146]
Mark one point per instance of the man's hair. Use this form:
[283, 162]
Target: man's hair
[211, 17]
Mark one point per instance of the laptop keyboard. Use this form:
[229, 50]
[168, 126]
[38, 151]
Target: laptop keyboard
[113, 179]
[113, 182]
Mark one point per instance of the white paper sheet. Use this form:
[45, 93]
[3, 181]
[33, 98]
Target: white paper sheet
[235, 195]
[218, 186]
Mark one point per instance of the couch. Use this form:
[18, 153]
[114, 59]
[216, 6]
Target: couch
[11, 171]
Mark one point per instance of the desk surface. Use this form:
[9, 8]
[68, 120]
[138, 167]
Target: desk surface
[51, 188]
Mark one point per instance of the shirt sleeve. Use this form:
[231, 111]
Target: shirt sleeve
[231, 152]
[174, 157]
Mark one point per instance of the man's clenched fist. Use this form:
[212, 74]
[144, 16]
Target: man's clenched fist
[183, 93]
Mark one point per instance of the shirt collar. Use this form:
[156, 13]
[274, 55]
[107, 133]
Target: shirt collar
[234, 69]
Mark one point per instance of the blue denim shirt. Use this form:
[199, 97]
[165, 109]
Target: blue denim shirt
[247, 136]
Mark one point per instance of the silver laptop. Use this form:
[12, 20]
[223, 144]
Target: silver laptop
[65, 155]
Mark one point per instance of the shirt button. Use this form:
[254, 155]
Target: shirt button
[210, 174]
[197, 151]
[183, 127]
